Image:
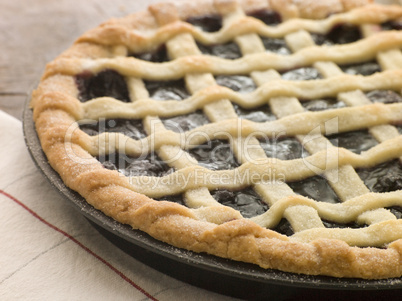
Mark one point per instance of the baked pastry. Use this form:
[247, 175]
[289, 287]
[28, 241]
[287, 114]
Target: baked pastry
[260, 131]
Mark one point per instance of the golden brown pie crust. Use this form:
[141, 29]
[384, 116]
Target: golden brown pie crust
[217, 229]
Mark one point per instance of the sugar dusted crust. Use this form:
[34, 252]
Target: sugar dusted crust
[213, 228]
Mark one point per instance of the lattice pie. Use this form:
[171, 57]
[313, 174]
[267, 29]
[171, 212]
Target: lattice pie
[261, 131]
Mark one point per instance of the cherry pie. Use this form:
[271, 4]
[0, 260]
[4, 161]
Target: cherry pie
[267, 132]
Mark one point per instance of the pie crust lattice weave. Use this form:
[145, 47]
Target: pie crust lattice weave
[201, 223]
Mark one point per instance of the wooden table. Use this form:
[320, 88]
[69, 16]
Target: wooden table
[34, 32]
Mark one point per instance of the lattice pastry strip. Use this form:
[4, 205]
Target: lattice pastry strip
[207, 226]
[348, 189]
[225, 106]
[216, 111]
[360, 181]
[194, 82]
[381, 133]
[353, 186]
[270, 190]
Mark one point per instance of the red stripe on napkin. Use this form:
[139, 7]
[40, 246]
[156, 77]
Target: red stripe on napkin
[110, 266]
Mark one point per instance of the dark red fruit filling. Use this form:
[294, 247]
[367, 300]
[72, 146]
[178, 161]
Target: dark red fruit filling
[384, 96]
[278, 46]
[392, 25]
[284, 227]
[229, 51]
[246, 201]
[150, 165]
[356, 141]
[283, 148]
[316, 188]
[167, 90]
[158, 56]
[384, 177]
[340, 34]
[215, 155]
[183, 123]
[323, 104]
[305, 73]
[209, 23]
[107, 83]
[238, 83]
[269, 17]
[366, 69]
[129, 127]
[260, 114]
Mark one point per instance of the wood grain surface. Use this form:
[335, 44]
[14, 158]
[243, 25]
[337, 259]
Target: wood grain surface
[33, 32]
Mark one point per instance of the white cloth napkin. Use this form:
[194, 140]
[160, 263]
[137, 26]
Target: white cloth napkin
[48, 251]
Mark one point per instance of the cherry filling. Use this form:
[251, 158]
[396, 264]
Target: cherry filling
[106, 83]
[323, 104]
[260, 114]
[384, 96]
[130, 127]
[238, 83]
[209, 23]
[269, 17]
[305, 73]
[316, 188]
[283, 148]
[183, 123]
[167, 90]
[392, 25]
[158, 56]
[245, 84]
[384, 177]
[217, 154]
[246, 201]
[356, 141]
[278, 46]
[340, 34]
[367, 68]
[229, 51]
[150, 165]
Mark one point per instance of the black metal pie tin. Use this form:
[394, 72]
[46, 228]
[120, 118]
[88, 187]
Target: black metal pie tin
[227, 277]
